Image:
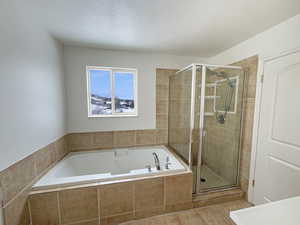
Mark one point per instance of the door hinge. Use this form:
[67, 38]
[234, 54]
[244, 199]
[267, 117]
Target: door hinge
[262, 78]
[253, 183]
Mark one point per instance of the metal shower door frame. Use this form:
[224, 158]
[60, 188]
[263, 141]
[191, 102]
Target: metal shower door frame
[202, 115]
[193, 67]
[201, 126]
[192, 117]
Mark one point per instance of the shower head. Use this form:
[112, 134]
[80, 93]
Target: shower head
[224, 75]
[221, 116]
[215, 73]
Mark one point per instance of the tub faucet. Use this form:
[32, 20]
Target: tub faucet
[156, 160]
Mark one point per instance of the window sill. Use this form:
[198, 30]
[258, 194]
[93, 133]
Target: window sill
[112, 116]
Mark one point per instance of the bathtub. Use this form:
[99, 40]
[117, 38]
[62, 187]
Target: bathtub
[109, 165]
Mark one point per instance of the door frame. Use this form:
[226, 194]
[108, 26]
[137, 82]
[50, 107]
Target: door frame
[262, 60]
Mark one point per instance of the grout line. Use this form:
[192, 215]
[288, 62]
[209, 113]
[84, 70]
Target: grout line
[117, 214]
[135, 132]
[133, 199]
[98, 203]
[29, 210]
[58, 208]
[165, 192]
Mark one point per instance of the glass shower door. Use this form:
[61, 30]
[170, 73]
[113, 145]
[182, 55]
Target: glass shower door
[222, 96]
[180, 106]
[205, 117]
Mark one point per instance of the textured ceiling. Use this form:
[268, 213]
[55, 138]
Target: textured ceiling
[191, 27]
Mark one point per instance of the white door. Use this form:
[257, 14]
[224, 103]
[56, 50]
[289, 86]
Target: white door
[277, 173]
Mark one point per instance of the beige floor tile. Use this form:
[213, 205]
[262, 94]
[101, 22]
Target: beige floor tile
[211, 215]
[93, 222]
[115, 220]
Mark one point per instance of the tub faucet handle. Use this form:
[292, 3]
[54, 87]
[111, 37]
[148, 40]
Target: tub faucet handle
[167, 163]
[149, 168]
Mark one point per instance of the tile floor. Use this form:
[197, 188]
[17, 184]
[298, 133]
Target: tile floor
[210, 215]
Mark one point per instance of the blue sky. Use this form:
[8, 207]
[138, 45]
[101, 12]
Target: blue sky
[100, 84]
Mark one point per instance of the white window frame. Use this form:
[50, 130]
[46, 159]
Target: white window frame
[113, 70]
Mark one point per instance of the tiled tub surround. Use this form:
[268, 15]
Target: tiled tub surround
[109, 165]
[112, 203]
[16, 181]
[116, 139]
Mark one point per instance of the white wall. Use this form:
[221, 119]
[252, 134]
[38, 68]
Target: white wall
[280, 38]
[75, 60]
[31, 85]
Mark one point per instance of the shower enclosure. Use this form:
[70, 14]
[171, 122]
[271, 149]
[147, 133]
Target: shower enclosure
[205, 122]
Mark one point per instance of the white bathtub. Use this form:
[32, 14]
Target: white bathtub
[107, 165]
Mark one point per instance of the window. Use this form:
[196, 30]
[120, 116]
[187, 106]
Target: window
[111, 91]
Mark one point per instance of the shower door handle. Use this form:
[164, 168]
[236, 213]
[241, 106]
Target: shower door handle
[204, 132]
